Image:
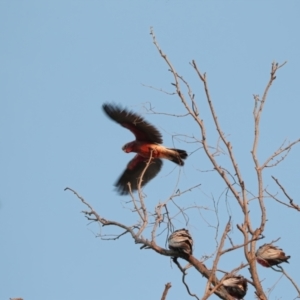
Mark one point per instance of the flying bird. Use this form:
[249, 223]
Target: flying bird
[181, 241]
[268, 255]
[236, 286]
[147, 144]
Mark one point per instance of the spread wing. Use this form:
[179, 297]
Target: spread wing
[133, 172]
[142, 130]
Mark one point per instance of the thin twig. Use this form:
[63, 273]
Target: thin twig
[141, 197]
[157, 89]
[208, 291]
[241, 245]
[167, 287]
[278, 152]
[293, 205]
[280, 269]
[183, 278]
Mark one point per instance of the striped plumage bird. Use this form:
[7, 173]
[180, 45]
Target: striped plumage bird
[236, 286]
[181, 241]
[268, 255]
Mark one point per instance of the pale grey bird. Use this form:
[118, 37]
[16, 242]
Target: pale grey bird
[181, 241]
[236, 286]
[268, 255]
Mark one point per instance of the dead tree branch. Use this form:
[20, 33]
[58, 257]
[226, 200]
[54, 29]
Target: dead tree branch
[292, 281]
[278, 152]
[183, 278]
[292, 204]
[208, 290]
[160, 221]
[167, 287]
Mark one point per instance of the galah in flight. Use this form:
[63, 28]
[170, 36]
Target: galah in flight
[147, 143]
[268, 255]
[181, 241]
[236, 286]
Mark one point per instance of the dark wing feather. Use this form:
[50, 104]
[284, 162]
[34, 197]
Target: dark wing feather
[142, 130]
[133, 172]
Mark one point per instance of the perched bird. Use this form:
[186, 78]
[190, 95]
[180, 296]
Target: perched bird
[147, 143]
[181, 241]
[268, 255]
[236, 286]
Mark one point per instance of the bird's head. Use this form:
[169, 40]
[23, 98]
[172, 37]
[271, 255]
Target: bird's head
[127, 148]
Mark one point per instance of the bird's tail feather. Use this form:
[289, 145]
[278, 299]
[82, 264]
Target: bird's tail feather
[177, 156]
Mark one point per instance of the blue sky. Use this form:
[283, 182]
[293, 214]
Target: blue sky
[60, 61]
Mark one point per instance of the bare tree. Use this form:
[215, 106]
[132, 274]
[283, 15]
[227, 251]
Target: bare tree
[224, 284]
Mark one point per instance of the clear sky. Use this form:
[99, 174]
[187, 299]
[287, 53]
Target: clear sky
[59, 62]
